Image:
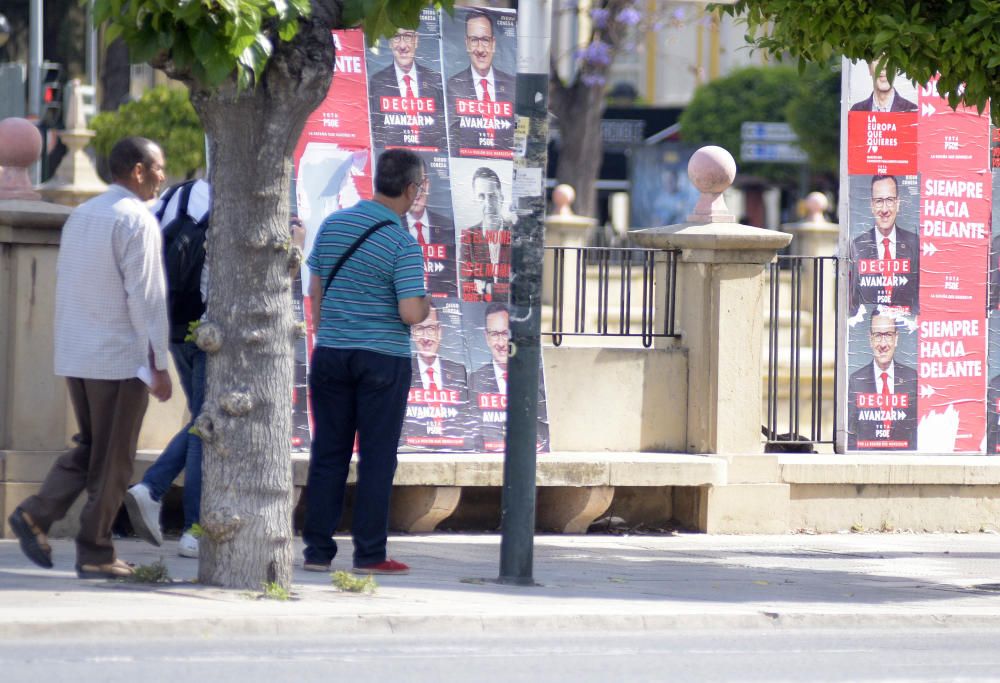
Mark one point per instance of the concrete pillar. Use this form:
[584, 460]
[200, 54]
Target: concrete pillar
[563, 228]
[76, 179]
[720, 293]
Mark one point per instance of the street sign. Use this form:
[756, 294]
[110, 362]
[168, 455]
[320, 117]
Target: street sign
[763, 131]
[774, 152]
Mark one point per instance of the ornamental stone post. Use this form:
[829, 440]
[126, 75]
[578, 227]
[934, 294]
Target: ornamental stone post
[720, 294]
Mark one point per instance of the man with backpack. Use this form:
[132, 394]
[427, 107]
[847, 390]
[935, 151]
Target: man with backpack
[183, 213]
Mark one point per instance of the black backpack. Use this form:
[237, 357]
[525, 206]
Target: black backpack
[183, 259]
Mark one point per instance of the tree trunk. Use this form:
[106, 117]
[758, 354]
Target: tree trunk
[115, 76]
[581, 148]
[246, 420]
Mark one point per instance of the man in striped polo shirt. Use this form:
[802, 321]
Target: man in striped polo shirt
[360, 370]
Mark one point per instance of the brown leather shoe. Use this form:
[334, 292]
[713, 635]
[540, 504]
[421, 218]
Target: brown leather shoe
[119, 569]
[34, 543]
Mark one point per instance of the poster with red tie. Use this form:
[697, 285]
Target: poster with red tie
[480, 51]
[437, 407]
[405, 89]
[487, 331]
[919, 282]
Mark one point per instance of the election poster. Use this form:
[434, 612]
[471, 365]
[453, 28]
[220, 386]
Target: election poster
[480, 45]
[921, 285]
[444, 90]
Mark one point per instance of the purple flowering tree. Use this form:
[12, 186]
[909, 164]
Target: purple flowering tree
[578, 103]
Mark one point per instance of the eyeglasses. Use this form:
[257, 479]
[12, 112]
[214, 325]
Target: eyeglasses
[498, 335]
[883, 336]
[884, 202]
[429, 330]
[477, 42]
[422, 185]
[409, 37]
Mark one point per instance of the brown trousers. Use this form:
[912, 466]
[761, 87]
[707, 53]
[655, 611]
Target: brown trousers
[109, 414]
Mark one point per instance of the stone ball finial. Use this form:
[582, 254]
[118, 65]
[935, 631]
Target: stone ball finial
[712, 170]
[563, 197]
[816, 206]
[20, 147]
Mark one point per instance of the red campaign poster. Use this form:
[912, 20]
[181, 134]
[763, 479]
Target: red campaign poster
[952, 143]
[333, 164]
[954, 242]
[342, 116]
[881, 143]
[952, 382]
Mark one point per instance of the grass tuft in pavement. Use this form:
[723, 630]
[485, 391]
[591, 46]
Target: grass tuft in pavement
[149, 573]
[349, 583]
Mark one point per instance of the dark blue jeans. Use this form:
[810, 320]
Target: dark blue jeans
[363, 392]
[184, 450]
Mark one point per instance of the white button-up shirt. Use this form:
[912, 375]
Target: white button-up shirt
[111, 305]
[477, 81]
[401, 80]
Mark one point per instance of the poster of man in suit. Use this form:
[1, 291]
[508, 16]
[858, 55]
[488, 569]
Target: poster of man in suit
[437, 406]
[429, 221]
[405, 94]
[885, 255]
[885, 95]
[483, 215]
[488, 328]
[882, 392]
[481, 92]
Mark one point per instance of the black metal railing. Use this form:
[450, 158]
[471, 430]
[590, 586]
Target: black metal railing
[794, 421]
[621, 276]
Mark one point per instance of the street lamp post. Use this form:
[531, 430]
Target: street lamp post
[528, 240]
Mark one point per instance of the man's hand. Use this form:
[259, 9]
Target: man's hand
[161, 387]
[298, 232]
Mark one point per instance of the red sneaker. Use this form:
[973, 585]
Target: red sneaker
[385, 567]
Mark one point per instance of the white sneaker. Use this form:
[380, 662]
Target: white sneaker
[188, 545]
[144, 513]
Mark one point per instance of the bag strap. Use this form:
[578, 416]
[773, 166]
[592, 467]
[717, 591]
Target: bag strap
[186, 186]
[182, 210]
[350, 250]
[165, 200]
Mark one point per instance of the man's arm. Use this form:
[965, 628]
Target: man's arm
[138, 249]
[414, 309]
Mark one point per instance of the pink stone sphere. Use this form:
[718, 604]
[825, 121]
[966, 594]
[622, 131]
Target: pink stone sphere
[563, 195]
[20, 143]
[816, 202]
[712, 169]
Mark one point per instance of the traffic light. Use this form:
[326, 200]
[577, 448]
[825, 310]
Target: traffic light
[50, 108]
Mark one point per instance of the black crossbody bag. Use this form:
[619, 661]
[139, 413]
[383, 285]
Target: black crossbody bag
[351, 249]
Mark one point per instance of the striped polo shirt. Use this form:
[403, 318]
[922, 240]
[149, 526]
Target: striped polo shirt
[360, 310]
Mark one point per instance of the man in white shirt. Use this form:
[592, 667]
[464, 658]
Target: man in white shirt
[110, 329]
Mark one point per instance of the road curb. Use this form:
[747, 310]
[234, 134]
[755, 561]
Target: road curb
[471, 625]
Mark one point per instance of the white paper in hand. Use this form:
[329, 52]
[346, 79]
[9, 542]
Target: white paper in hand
[145, 375]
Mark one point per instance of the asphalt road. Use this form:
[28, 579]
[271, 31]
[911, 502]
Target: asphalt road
[747, 655]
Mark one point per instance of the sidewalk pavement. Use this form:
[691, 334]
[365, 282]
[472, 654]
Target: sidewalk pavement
[594, 583]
